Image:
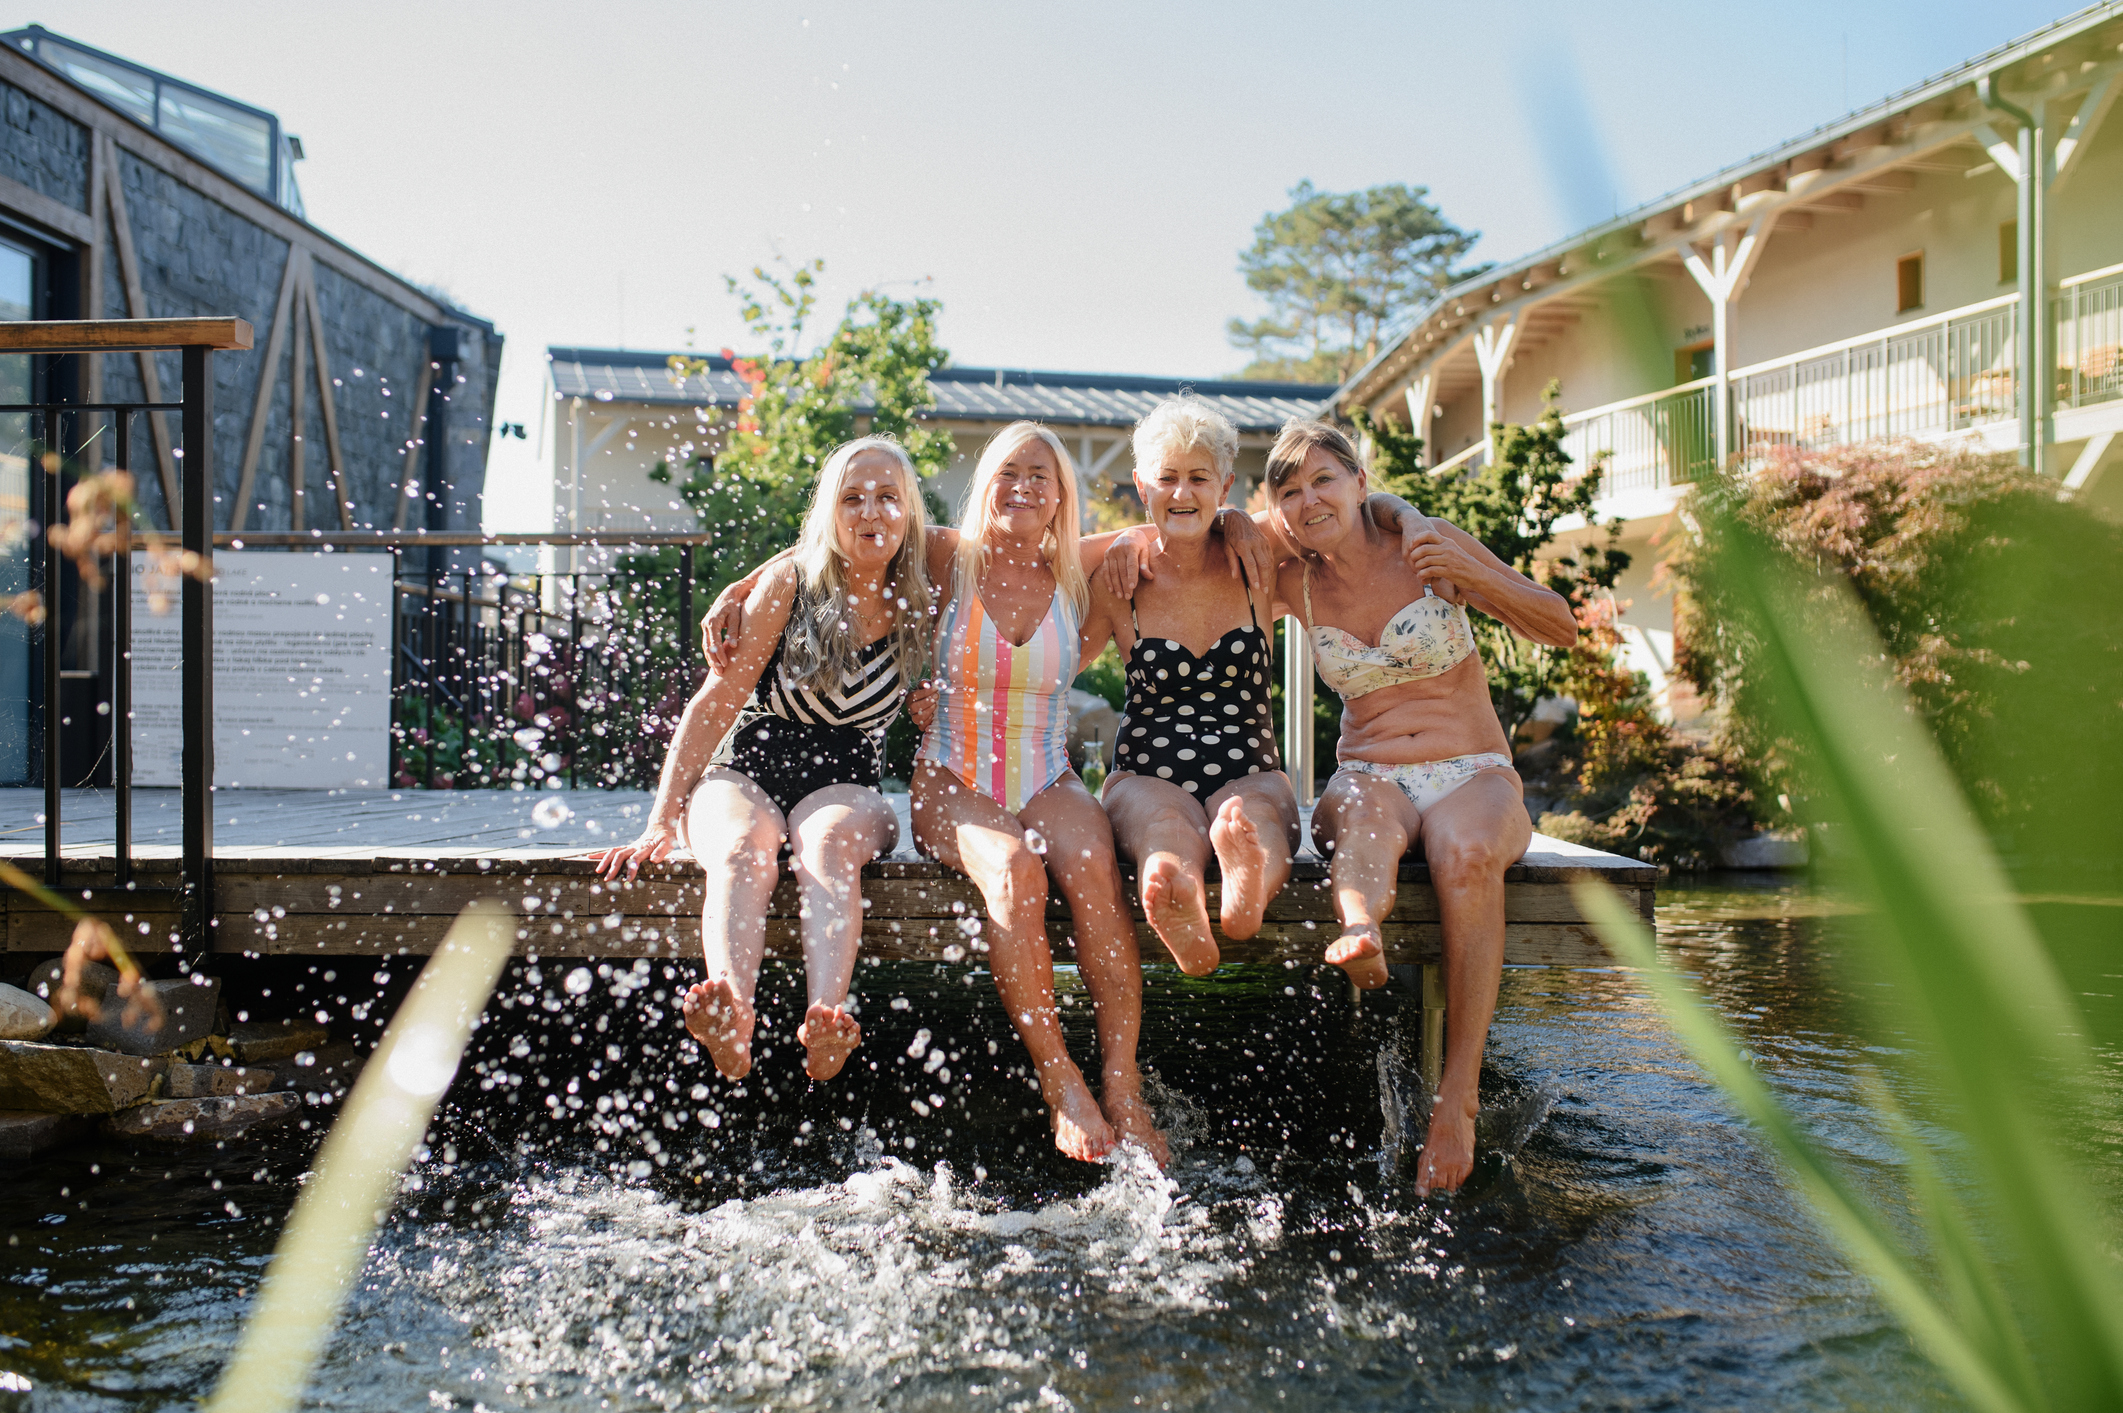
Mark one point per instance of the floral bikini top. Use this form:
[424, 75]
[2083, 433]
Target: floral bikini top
[1425, 639]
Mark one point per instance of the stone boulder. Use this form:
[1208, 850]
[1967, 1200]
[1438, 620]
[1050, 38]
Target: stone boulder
[199, 1120]
[255, 1042]
[24, 1135]
[187, 1017]
[97, 981]
[72, 1079]
[329, 1069]
[22, 1015]
[216, 1081]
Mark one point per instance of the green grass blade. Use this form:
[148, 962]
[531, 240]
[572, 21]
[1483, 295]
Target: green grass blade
[1853, 1221]
[328, 1234]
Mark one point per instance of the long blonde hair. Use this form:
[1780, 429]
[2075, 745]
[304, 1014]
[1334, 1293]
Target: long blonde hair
[819, 643]
[1061, 542]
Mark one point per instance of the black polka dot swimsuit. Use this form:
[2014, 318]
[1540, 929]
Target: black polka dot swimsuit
[1199, 722]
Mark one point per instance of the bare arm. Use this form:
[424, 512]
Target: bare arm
[706, 720]
[1107, 621]
[1445, 551]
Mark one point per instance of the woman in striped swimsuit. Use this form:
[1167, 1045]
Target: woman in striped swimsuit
[785, 741]
[994, 796]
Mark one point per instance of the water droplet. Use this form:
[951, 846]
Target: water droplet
[551, 812]
[579, 981]
[1035, 841]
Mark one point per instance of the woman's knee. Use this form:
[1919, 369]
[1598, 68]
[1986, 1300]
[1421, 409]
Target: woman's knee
[1461, 858]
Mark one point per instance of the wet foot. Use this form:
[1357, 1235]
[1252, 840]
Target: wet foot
[1448, 1153]
[829, 1035]
[1080, 1127]
[1359, 954]
[1174, 904]
[1244, 861]
[1133, 1122]
[721, 1020]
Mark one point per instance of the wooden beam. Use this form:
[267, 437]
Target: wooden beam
[268, 377]
[298, 509]
[92, 286]
[55, 216]
[414, 442]
[122, 335]
[326, 403]
[136, 305]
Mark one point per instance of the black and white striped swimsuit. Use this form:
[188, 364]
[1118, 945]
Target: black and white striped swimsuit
[793, 740]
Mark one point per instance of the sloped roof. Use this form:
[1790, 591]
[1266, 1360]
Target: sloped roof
[1627, 231]
[962, 394]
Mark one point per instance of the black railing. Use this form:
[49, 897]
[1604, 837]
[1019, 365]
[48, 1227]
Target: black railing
[60, 434]
[522, 679]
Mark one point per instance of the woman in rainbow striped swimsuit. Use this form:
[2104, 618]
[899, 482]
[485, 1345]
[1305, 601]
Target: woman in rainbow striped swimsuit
[994, 796]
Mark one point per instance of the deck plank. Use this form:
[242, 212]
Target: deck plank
[383, 872]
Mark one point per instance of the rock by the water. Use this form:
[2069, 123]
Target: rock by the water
[97, 981]
[188, 1015]
[196, 1120]
[1782, 851]
[23, 1016]
[255, 1041]
[212, 1081]
[72, 1079]
[25, 1135]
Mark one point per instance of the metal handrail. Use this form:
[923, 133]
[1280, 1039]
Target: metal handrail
[196, 341]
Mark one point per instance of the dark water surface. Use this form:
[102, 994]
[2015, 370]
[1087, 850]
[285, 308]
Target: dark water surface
[633, 1234]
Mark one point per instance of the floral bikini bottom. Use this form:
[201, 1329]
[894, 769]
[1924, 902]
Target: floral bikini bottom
[1428, 781]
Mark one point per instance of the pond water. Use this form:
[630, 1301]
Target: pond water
[599, 1223]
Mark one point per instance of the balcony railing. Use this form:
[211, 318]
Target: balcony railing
[1661, 439]
[1939, 375]
[1950, 373]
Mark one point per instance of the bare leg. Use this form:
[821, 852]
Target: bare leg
[966, 830]
[1164, 830]
[735, 833]
[1081, 862]
[1253, 826]
[1470, 838]
[832, 833]
[1367, 825]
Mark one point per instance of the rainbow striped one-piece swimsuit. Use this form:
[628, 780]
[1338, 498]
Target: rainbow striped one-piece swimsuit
[1002, 712]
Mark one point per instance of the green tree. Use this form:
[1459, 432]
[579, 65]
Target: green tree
[1334, 268]
[871, 375]
[1512, 505]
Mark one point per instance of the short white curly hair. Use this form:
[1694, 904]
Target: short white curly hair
[1184, 424]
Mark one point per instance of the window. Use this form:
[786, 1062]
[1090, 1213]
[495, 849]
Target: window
[2008, 252]
[1909, 283]
[1695, 360]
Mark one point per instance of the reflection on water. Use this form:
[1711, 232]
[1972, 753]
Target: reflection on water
[598, 1223]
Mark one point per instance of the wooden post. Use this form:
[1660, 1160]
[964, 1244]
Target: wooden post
[1433, 1027]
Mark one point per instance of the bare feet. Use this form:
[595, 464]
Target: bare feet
[829, 1035]
[1080, 1127]
[1448, 1153]
[1244, 862]
[1133, 1122]
[1359, 953]
[1174, 903]
[721, 1020]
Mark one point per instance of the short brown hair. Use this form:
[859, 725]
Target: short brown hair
[1299, 436]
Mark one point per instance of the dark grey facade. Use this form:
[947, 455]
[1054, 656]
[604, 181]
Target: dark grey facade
[101, 217]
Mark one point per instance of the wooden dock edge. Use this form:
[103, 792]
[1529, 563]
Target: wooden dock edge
[333, 903]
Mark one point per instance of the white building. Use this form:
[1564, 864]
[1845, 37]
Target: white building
[1862, 280]
[619, 414]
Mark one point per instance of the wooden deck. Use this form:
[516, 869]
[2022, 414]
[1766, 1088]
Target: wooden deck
[383, 873]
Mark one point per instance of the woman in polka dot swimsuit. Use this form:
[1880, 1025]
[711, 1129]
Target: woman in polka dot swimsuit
[1195, 768]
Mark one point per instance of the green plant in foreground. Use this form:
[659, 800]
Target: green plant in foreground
[2017, 1297]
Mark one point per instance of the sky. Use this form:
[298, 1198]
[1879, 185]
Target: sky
[1073, 181]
